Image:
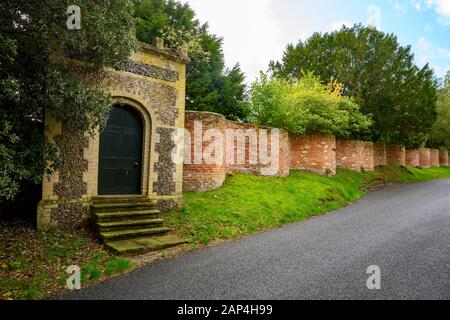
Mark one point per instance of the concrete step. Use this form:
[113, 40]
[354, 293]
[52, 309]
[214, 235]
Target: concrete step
[121, 207]
[121, 199]
[142, 245]
[132, 233]
[125, 215]
[129, 224]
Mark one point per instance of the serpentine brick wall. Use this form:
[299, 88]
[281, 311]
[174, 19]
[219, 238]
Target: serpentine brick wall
[236, 141]
[315, 152]
[395, 155]
[354, 155]
[198, 175]
[412, 158]
[425, 157]
[443, 158]
[379, 155]
[434, 157]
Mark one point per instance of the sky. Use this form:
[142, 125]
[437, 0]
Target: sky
[257, 31]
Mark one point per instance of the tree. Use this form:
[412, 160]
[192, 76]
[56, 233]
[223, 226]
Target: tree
[440, 134]
[375, 70]
[32, 33]
[306, 106]
[210, 86]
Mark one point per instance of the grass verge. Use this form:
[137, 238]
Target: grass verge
[248, 204]
[33, 263]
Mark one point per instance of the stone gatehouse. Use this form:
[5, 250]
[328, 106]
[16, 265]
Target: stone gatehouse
[132, 156]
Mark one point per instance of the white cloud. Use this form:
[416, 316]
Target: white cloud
[440, 71]
[444, 53]
[250, 31]
[423, 45]
[257, 31]
[442, 8]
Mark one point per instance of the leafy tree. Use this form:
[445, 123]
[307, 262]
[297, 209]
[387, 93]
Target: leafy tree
[375, 70]
[32, 34]
[210, 86]
[440, 135]
[306, 106]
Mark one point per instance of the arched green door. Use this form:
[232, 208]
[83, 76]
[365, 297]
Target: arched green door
[120, 156]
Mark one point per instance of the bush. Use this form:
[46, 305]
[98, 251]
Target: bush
[306, 106]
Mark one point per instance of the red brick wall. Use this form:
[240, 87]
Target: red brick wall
[395, 155]
[316, 153]
[201, 176]
[434, 157]
[443, 158]
[252, 163]
[379, 155]
[425, 157]
[354, 155]
[412, 158]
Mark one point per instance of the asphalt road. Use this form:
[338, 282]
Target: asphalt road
[404, 229]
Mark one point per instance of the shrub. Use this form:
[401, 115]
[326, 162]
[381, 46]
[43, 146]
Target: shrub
[306, 106]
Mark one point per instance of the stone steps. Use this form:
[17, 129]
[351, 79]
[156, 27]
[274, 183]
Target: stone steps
[125, 215]
[122, 206]
[131, 225]
[142, 245]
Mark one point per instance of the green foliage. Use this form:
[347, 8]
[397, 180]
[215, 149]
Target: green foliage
[375, 70]
[117, 265]
[440, 134]
[32, 34]
[210, 86]
[306, 106]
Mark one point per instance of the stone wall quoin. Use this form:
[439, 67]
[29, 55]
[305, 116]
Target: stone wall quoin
[315, 153]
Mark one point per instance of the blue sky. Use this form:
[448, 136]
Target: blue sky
[257, 31]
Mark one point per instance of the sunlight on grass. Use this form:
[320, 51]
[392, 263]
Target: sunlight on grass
[248, 204]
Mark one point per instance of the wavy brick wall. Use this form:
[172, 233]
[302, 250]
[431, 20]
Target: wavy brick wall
[412, 158]
[443, 158]
[395, 155]
[425, 157]
[198, 175]
[434, 157]
[316, 153]
[243, 152]
[379, 155]
[204, 171]
[355, 155]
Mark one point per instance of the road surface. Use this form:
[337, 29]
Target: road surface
[403, 229]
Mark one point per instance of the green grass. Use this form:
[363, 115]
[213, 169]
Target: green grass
[33, 263]
[248, 204]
